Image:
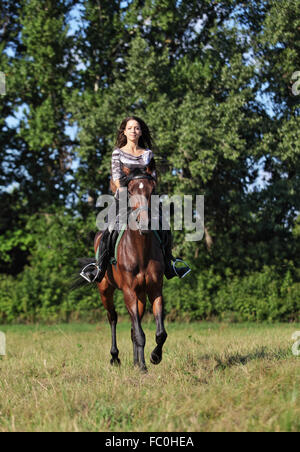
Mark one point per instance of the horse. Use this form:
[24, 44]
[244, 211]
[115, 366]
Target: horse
[138, 273]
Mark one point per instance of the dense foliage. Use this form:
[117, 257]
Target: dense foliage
[214, 80]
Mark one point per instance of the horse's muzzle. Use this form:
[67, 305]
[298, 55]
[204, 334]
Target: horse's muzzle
[144, 227]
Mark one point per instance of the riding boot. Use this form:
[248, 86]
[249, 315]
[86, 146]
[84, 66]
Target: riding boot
[95, 271]
[170, 261]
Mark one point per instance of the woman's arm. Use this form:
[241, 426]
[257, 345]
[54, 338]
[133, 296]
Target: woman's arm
[116, 166]
[116, 173]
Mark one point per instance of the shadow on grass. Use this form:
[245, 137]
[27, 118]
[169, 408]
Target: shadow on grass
[233, 359]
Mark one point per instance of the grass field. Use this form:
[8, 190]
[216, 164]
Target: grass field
[213, 377]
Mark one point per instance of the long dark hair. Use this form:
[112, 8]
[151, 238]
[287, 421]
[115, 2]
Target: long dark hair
[145, 140]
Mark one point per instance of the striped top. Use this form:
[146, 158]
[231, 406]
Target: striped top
[120, 157]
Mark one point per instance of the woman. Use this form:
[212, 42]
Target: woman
[133, 150]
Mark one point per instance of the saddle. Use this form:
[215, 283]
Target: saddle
[113, 240]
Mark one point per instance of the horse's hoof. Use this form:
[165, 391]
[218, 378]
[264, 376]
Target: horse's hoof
[115, 362]
[155, 359]
[143, 369]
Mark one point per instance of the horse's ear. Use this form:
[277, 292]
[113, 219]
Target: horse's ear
[151, 168]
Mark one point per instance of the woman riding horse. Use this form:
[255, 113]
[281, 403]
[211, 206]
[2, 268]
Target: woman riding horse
[140, 259]
[133, 152]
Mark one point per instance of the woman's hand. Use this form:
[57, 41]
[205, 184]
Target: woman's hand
[117, 183]
[118, 191]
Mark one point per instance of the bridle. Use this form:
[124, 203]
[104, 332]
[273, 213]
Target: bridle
[139, 174]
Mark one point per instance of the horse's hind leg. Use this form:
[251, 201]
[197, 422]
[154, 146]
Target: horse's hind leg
[135, 350]
[161, 334]
[106, 293]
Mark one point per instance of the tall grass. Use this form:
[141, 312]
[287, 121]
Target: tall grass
[213, 377]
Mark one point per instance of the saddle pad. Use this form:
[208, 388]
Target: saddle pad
[113, 243]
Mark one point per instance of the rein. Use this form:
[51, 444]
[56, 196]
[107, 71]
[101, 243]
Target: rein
[137, 173]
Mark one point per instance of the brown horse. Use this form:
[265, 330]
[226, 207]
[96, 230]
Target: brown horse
[138, 273]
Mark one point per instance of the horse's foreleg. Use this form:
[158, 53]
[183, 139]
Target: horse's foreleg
[113, 320]
[161, 334]
[136, 308]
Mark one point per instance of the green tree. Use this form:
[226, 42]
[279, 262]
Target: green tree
[36, 152]
[9, 43]
[41, 79]
[100, 47]
[276, 51]
[13, 252]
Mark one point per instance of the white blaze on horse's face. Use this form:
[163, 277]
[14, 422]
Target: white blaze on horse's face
[138, 219]
[141, 185]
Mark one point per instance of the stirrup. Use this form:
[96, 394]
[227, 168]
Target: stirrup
[188, 269]
[87, 277]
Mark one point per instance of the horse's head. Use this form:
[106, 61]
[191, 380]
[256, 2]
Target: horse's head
[141, 185]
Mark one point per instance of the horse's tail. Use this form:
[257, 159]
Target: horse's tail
[77, 280]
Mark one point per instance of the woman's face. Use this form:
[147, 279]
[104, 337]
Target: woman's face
[133, 131]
